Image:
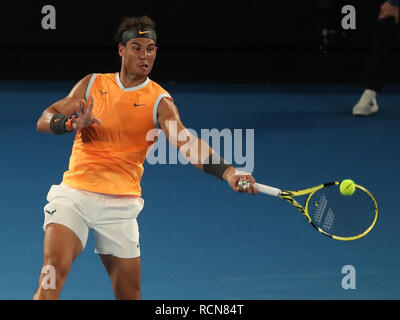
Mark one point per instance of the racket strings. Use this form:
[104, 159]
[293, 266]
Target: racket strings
[339, 215]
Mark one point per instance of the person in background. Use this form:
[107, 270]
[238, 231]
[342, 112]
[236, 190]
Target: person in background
[378, 61]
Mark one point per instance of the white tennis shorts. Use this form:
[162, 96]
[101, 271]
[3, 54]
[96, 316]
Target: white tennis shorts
[112, 218]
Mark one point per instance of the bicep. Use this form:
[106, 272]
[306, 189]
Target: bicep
[65, 106]
[169, 118]
[170, 122]
[194, 149]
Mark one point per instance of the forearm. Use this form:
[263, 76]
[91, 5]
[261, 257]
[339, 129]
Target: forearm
[202, 156]
[193, 149]
[66, 106]
[43, 124]
[213, 164]
[198, 152]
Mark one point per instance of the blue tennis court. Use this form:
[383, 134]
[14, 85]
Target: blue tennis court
[199, 239]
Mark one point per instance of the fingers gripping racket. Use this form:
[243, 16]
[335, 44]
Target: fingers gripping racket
[333, 214]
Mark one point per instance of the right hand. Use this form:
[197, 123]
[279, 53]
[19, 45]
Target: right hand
[233, 176]
[84, 117]
[387, 10]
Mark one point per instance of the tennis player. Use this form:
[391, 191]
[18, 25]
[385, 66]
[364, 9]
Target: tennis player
[111, 115]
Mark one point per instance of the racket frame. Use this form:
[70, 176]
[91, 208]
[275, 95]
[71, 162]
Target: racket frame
[288, 196]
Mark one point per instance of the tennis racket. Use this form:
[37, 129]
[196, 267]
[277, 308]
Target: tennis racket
[330, 212]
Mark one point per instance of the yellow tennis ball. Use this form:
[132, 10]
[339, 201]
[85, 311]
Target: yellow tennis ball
[347, 187]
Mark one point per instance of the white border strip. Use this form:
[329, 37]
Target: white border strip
[89, 87]
[140, 86]
[155, 108]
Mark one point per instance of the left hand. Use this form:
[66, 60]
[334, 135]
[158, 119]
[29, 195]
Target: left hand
[84, 117]
[233, 176]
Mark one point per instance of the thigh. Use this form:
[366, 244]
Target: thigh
[124, 274]
[61, 245]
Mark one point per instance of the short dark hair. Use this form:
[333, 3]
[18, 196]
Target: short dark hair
[127, 23]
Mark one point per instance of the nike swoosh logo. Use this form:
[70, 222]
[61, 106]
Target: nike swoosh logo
[138, 105]
[143, 32]
[103, 92]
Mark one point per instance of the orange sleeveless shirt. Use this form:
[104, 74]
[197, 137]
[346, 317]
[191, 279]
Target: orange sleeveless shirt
[109, 158]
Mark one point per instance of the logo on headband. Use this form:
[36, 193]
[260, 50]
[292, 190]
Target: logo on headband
[136, 33]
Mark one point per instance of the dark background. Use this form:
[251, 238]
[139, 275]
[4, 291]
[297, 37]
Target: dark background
[247, 41]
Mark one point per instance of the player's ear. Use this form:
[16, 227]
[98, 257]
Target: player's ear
[121, 49]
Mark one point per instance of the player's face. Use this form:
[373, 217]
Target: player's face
[138, 56]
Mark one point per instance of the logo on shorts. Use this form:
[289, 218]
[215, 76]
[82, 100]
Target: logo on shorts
[50, 212]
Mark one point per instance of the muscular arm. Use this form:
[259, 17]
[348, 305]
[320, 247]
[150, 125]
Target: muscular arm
[194, 149]
[66, 106]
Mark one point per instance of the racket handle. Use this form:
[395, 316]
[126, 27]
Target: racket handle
[275, 192]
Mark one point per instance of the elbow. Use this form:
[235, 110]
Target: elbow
[43, 123]
[39, 127]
